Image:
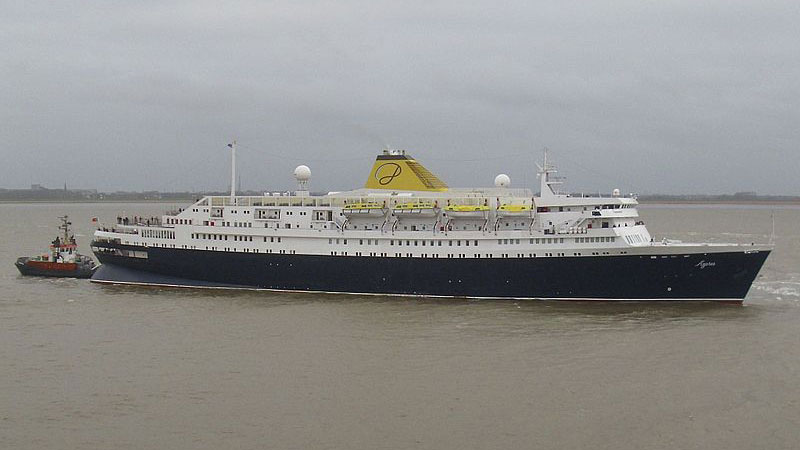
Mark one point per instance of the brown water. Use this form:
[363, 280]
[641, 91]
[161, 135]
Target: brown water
[84, 366]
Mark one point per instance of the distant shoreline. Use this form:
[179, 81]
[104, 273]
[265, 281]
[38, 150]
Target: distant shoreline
[720, 202]
[177, 200]
[645, 202]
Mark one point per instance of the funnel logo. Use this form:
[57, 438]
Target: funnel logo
[385, 173]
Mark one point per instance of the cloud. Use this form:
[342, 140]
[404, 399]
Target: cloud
[652, 97]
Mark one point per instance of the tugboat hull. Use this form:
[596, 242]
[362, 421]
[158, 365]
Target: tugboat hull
[28, 267]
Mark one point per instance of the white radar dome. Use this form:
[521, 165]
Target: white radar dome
[502, 180]
[302, 173]
[615, 193]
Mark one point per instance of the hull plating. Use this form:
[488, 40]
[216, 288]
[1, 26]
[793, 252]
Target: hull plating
[713, 276]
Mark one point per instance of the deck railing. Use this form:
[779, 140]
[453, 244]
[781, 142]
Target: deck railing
[472, 199]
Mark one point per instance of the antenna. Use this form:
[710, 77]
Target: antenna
[65, 223]
[545, 157]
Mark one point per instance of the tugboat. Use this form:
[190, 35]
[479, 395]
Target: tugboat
[62, 261]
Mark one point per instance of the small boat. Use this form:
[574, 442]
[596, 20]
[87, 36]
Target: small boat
[466, 211]
[63, 260]
[420, 208]
[513, 210]
[364, 209]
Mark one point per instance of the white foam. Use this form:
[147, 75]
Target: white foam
[779, 288]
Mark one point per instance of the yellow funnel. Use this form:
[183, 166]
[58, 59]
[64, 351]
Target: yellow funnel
[400, 172]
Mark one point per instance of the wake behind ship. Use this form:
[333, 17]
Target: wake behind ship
[407, 233]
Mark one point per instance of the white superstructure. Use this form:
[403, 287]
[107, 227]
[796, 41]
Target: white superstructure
[495, 222]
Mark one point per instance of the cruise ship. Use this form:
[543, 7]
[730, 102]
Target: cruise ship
[406, 232]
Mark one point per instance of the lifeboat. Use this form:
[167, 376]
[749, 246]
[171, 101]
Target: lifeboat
[512, 210]
[364, 209]
[466, 211]
[415, 209]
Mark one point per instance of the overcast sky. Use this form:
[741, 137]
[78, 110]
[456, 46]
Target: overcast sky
[647, 96]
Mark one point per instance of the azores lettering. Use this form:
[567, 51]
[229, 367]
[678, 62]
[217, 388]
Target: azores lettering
[703, 264]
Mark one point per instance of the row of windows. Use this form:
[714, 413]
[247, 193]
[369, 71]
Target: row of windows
[383, 254]
[238, 224]
[159, 234]
[582, 240]
[464, 255]
[225, 237]
[399, 242]
[545, 209]
[536, 241]
[409, 242]
[398, 255]
[173, 221]
[246, 250]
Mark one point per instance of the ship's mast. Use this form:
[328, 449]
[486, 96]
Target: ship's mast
[65, 223]
[543, 185]
[547, 182]
[233, 170]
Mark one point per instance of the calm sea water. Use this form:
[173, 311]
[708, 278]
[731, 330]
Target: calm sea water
[84, 366]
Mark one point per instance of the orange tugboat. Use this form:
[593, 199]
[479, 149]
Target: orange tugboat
[62, 261]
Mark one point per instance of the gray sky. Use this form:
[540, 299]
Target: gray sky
[648, 96]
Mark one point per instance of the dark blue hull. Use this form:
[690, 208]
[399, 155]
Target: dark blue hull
[624, 277]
